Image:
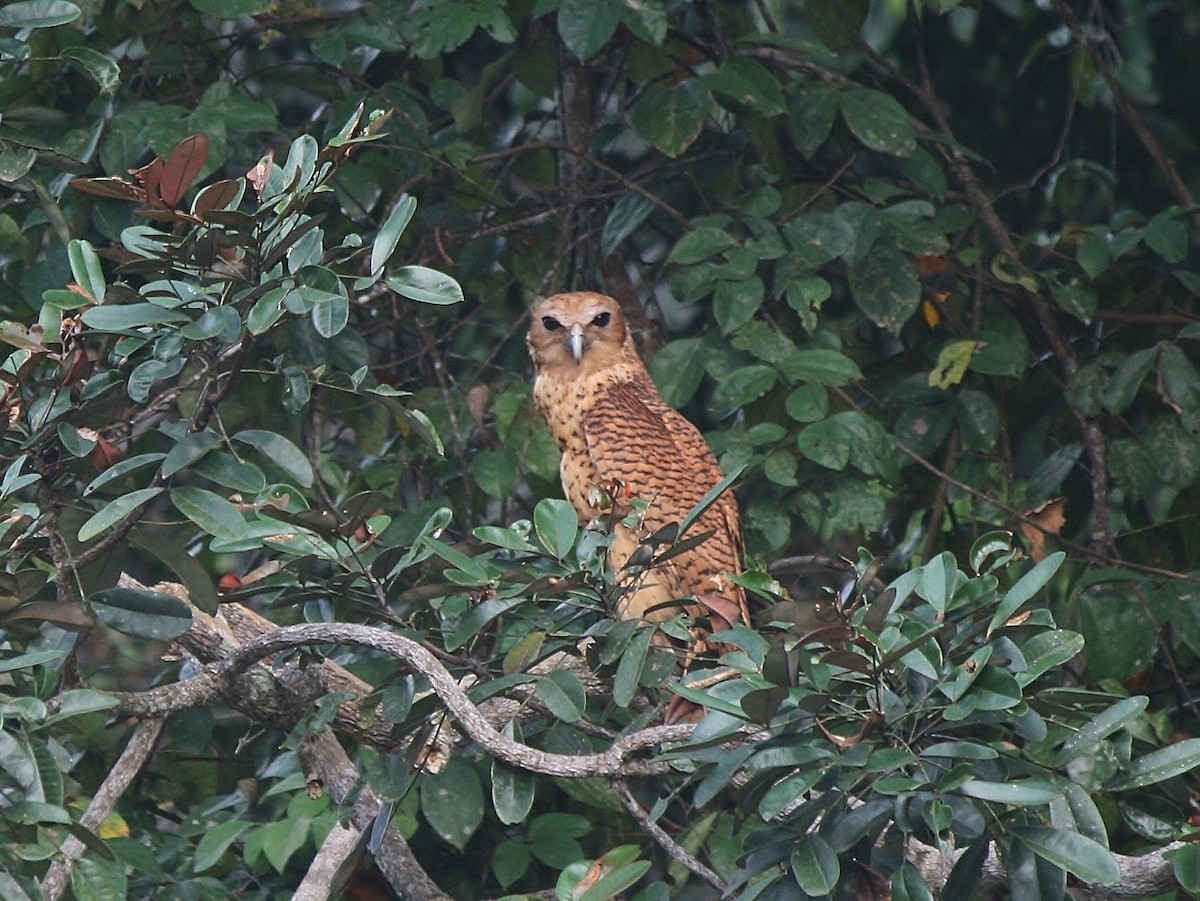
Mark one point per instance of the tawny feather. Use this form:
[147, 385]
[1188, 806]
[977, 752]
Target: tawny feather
[619, 440]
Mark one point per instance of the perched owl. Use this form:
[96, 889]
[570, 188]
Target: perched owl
[621, 441]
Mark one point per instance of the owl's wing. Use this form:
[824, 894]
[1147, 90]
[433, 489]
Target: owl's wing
[634, 438]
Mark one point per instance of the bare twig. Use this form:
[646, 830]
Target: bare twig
[665, 841]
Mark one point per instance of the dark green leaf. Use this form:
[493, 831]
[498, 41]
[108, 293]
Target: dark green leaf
[678, 370]
[38, 14]
[629, 670]
[1080, 856]
[556, 524]
[701, 244]
[188, 450]
[115, 511]
[563, 694]
[886, 287]
[815, 865]
[1158, 766]
[452, 801]
[280, 451]
[141, 612]
[126, 317]
[670, 118]
[879, 121]
[100, 67]
[211, 512]
[587, 25]
[747, 83]
[735, 303]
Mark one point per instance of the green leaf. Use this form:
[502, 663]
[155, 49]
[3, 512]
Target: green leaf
[141, 612]
[821, 367]
[188, 450]
[210, 511]
[879, 121]
[626, 216]
[701, 244]
[785, 792]
[86, 270]
[126, 317]
[744, 385]
[452, 802]
[1158, 766]
[513, 789]
[810, 117]
[121, 469]
[747, 83]
[390, 232]
[556, 524]
[230, 9]
[330, 317]
[671, 118]
[615, 880]
[563, 694]
[215, 842]
[115, 511]
[1124, 384]
[735, 303]
[1025, 588]
[886, 287]
[1017, 793]
[1088, 738]
[1186, 860]
[38, 14]
[952, 362]
[1167, 235]
[587, 25]
[495, 471]
[425, 285]
[678, 370]
[845, 437]
[1113, 619]
[1046, 651]
[629, 670]
[1078, 855]
[815, 865]
[100, 67]
[279, 450]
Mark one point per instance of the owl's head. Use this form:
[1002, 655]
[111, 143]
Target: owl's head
[580, 329]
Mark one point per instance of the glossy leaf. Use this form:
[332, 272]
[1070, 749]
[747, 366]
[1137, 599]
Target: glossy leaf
[141, 612]
[425, 285]
[115, 511]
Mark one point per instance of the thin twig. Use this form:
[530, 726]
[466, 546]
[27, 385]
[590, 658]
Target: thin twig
[115, 784]
[675, 850]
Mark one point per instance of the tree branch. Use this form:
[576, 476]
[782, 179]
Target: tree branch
[119, 778]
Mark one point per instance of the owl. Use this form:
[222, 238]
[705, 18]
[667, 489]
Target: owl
[621, 442]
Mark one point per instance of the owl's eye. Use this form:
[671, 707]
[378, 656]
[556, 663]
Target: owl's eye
[550, 323]
[602, 319]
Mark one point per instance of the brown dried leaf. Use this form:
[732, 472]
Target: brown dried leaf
[1045, 519]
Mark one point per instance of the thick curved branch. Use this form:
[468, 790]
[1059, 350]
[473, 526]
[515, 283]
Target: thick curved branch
[619, 760]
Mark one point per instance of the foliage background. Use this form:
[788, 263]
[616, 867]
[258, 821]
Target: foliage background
[924, 270]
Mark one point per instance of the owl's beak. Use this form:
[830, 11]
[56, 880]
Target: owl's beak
[576, 342]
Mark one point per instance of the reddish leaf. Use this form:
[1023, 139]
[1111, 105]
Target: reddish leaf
[261, 174]
[112, 188]
[183, 165]
[150, 175]
[216, 196]
[65, 616]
